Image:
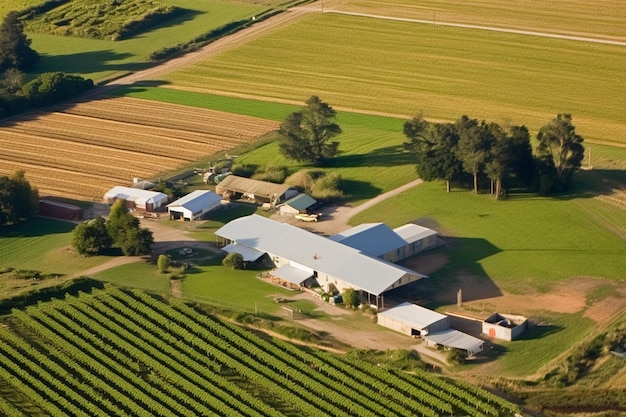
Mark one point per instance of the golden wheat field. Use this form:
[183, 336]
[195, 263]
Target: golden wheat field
[81, 151]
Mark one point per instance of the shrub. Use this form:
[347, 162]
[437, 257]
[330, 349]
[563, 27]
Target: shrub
[244, 170]
[234, 260]
[163, 263]
[276, 175]
[456, 357]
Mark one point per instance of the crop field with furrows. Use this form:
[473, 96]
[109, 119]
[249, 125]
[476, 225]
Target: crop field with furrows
[597, 18]
[405, 69]
[82, 151]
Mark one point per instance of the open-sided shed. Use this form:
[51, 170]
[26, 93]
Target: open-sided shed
[194, 205]
[413, 320]
[261, 191]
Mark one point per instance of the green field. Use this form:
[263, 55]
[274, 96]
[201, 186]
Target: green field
[593, 18]
[441, 73]
[103, 60]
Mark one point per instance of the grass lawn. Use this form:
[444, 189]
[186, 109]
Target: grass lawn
[408, 69]
[103, 60]
[142, 275]
[43, 245]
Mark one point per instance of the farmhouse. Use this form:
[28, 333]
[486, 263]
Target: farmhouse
[260, 191]
[380, 241]
[194, 205]
[433, 327]
[296, 205]
[303, 258]
[136, 198]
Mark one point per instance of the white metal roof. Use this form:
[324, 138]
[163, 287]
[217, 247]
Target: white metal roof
[374, 239]
[249, 254]
[456, 339]
[135, 194]
[316, 252]
[412, 232]
[291, 274]
[413, 315]
[196, 201]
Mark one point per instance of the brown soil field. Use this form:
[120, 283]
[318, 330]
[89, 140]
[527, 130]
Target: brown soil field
[81, 151]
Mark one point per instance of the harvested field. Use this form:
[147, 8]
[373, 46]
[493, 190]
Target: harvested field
[81, 151]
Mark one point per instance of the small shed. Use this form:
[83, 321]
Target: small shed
[58, 210]
[296, 205]
[194, 205]
[504, 326]
[136, 198]
[413, 320]
[451, 338]
[418, 238]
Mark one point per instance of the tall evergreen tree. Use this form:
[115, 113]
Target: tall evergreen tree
[15, 50]
[305, 135]
[561, 149]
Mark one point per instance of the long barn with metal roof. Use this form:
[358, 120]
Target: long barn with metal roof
[303, 255]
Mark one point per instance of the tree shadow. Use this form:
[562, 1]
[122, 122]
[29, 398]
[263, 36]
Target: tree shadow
[384, 157]
[37, 227]
[360, 190]
[89, 62]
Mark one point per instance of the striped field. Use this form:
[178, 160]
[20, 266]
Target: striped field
[81, 151]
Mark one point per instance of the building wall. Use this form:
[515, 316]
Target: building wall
[491, 326]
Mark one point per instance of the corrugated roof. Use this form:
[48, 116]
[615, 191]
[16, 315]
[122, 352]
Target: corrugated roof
[300, 202]
[316, 252]
[374, 239]
[134, 194]
[291, 274]
[412, 232]
[456, 339]
[249, 254]
[197, 200]
[256, 187]
[413, 315]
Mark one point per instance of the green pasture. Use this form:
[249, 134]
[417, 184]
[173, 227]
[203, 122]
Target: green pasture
[43, 245]
[402, 68]
[594, 18]
[7, 6]
[103, 60]
[144, 275]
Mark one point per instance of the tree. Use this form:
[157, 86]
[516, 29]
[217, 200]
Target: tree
[435, 147]
[90, 238]
[350, 298]
[561, 149]
[15, 50]
[305, 135]
[53, 87]
[120, 220]
[13, 80]
[136, 241]
[163, 263]
[473, 147]
[234, 260]
[18, 200]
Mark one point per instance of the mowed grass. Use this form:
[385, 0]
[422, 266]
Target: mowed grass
[43, 245]
[597, 18]
[407, 69]
[520, 242]
[103, 60]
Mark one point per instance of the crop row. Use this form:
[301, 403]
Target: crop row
[152, 113]
[115, 352]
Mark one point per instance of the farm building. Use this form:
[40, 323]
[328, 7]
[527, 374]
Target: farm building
[303, 258]
[58, 210]
[418, 238]
[194, 205]
[296, 205]
[433, 327]
[259, 191]
[136, 198]
[378, 240]
[413, 320]
[504, 326]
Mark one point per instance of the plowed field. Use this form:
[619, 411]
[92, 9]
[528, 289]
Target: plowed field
[81, 151]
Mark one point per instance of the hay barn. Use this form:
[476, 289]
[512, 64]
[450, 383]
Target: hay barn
[194, 206]
[260, 191]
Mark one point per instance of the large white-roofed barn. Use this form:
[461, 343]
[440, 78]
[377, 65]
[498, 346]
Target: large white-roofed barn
[136, 198]
[194, 205]
[300, 256]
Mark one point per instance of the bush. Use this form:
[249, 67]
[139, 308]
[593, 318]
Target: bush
[244, 170]
[276, 175]
[163, 263]
[234, 260]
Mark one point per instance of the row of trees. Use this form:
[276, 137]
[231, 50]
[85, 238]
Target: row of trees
[503, 156]
[17, 57]
[18, 200]
[121, 229]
